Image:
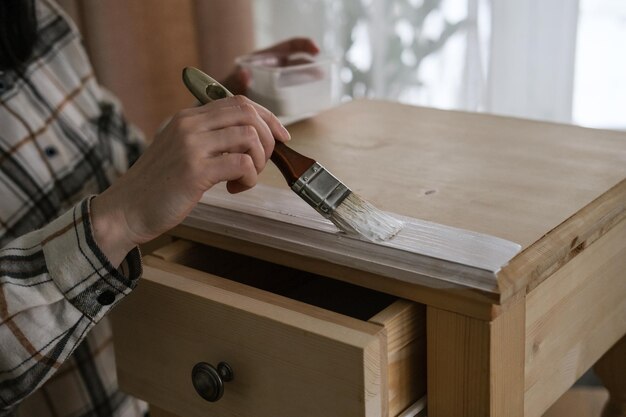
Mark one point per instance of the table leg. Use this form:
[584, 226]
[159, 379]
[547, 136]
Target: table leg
[475, 367]
[611, 368]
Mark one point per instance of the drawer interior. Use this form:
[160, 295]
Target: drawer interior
[329, 294]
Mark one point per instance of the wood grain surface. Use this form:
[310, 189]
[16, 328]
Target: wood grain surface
[289, 358]
[573, 318]
[405, 323]
[506, 177]
[283, 331]
[550, 188]
[423, 252]
[476, 368]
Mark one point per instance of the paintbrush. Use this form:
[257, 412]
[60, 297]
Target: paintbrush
[310, 180]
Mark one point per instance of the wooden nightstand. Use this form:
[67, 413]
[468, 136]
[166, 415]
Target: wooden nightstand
[289, 326]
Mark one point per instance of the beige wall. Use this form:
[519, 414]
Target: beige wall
[139, 48]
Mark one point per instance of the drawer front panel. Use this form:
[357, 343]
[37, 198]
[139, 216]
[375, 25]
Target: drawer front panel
[286, 359]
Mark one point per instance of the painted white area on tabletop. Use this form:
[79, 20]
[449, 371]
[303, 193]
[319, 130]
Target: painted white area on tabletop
[423, 252]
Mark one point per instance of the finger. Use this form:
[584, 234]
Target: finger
[236, 139]
[235, 187]
[246, 114]
[240, 110]
[232, 167]
[293, 45]
[279, 131]
[232, 111]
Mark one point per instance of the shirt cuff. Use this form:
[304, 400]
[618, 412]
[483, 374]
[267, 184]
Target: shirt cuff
[79, 267]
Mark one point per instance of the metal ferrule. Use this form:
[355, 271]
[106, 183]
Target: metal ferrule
[321, 189]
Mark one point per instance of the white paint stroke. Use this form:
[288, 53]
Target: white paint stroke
[423, 252]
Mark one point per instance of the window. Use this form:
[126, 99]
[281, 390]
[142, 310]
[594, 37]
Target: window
[560, 60]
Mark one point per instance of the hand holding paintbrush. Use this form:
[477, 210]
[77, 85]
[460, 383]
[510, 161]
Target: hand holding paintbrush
[310, 180]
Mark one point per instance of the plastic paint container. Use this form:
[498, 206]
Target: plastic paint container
[291, 86]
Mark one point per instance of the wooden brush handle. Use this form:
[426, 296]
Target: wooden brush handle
[290, 163]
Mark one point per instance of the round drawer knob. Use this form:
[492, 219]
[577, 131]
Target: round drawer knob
[209, 382]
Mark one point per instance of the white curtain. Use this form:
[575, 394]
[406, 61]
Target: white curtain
[502, 56]
[599, 87]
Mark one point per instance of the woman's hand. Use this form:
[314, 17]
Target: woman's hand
[226, 140]
[237, 81]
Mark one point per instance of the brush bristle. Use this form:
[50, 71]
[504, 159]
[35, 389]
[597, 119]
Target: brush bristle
[356, 216]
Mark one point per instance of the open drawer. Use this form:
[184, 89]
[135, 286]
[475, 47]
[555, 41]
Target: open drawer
[298, 344]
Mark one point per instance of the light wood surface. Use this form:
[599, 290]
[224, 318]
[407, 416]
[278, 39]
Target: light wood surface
[467, 170]
[579, 402]
[565, 242]
[515, 179]
[291, 358]
[511, 349]
[611, 369]
[286, 360]
[159, 412]
[573, 318]
[468, 302]
[423, 253]
[405, 325]
[475, 368]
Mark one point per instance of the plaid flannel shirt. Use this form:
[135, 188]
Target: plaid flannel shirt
[62, 140]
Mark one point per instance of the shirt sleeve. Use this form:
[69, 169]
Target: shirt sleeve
[55, 285]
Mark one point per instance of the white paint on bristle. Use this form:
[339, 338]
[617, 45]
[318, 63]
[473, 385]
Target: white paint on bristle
[356, 216]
